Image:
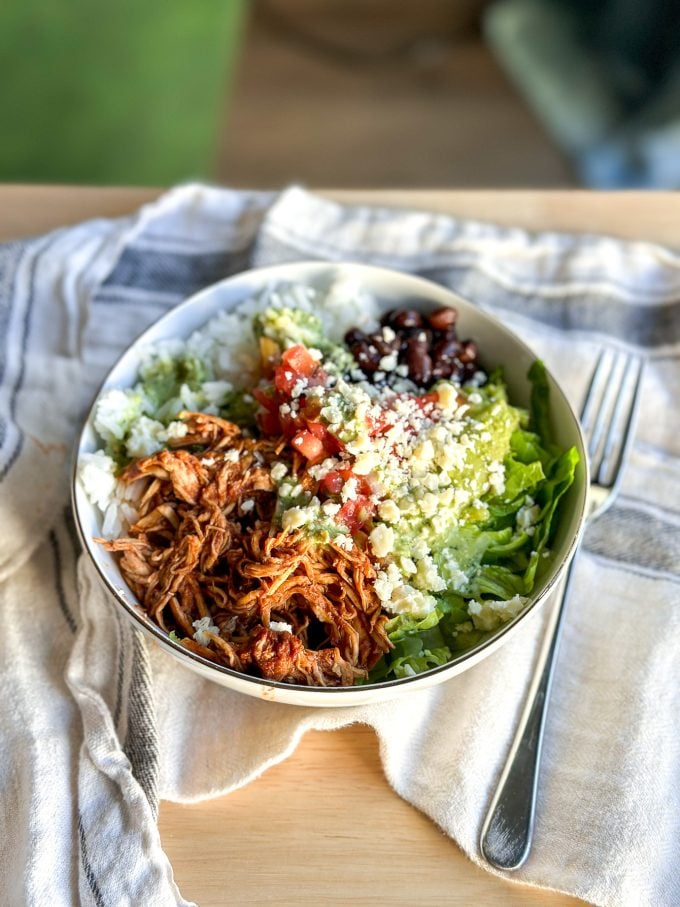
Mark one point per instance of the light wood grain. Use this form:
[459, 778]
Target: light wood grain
[324, 826]
[26, 210]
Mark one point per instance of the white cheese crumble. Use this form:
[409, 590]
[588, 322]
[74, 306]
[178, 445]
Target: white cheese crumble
[527, 515]
[491, 614]
[330, 508]
[278, 471]
[382, 540]
[388, 363]
[349, 490]
[389, 511]
[407, 600]
[294, 517]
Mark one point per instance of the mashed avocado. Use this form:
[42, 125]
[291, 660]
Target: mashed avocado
[290, 327]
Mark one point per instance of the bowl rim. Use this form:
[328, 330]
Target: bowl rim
[477, 652]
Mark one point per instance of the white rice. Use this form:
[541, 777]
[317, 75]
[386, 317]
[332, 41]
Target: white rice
[228, 348]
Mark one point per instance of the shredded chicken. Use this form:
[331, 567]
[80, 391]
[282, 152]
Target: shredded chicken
[206, 545]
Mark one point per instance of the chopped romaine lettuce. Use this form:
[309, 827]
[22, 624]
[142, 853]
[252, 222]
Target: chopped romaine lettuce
[497, 559]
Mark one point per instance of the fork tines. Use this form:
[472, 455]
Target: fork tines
[609, 410]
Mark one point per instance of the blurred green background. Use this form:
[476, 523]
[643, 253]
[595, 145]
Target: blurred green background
[129, 91]
[341, 93]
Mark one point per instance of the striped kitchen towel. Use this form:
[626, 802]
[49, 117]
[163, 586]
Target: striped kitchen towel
[93, 724]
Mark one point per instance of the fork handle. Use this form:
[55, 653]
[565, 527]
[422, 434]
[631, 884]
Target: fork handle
[509, 824]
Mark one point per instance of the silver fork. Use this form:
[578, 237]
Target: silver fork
[608, 419]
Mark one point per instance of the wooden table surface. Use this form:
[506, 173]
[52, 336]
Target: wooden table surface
[324, 826]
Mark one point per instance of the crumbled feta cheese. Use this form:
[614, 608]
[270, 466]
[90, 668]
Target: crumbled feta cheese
[428, 504]
[344, 541]
[424, 451]
[349, 490]
[408, 566]
[491, 614]
[278, 471]
[232, 455]
[407, 600]
[497, 478]
[389, 511]
[388, 363]
[247, 505]
[330, 508]
[294, 517]
[527, 516]
[299, 388]
[382, 540]
[366, 463]
[427, 576]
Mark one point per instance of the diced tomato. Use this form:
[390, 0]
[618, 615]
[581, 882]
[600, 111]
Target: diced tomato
[299, 359]
[309, 446]
[426, 400]
[356, 513]
[269, 423]
[267, 398]
[378, 425]
[297, 363]
[285, 380]
[332, 483]
[318, 430]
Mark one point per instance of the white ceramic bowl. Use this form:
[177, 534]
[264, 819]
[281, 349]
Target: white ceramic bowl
[498, 346]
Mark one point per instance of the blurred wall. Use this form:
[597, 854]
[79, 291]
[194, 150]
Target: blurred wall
[125, 91]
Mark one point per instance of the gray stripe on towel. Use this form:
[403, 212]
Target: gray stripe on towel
[39, 249]
[59, 582]
[182, 274]
[648, 325]
[141, 741]
[10, 256]
[87, 868]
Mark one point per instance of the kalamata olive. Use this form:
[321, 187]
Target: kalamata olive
[404, 318]
[443, 318]
[442, 368]
[446, 348]
[468, 352]
[418, 361]
[367, 356]
[382, 346]
[457, 371]
[353, 336]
